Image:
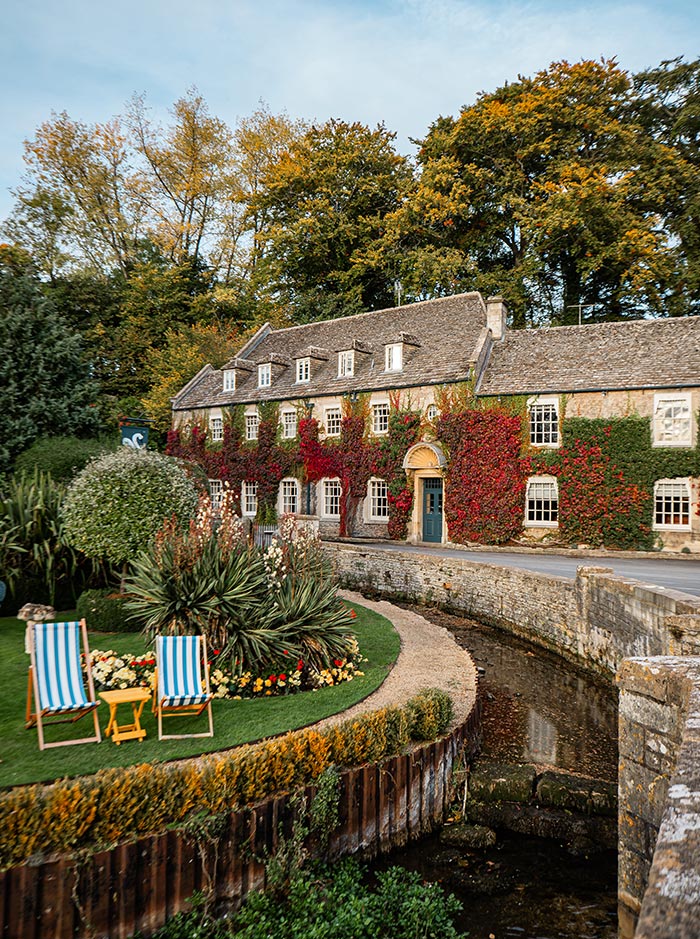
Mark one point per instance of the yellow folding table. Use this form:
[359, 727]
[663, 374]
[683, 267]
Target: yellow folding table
[136, 697]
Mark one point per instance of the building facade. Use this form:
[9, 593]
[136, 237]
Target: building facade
[412, 360]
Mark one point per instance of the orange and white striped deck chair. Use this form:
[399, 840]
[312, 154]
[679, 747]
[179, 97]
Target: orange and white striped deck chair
[182, 681]
[56, 691]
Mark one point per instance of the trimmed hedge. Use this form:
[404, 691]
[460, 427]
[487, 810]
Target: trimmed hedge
[104, 611]
[117, 804]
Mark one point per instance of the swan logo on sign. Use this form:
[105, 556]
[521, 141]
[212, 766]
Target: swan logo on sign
[135, 437]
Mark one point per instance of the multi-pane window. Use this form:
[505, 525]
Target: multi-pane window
[380, 418]
[250, 498]
[542, 506]
[252, 422]
[431, 412]
[331, 498]
[289, 489]
[230, 379]
[672, 421]
[216, 428]
[304, 369]
[289, 424]
[378, 499]
[393, 358]
[334, 418]
[216, 493]
[671, 504]
[544, 424]
[264, 375]
[346, 364]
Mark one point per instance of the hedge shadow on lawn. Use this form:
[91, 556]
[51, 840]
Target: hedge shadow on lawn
[235, 722]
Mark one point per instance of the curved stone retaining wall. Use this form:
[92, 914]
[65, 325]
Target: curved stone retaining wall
[606, 623]
[137, 886]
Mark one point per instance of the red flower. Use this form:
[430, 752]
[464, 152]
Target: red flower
[272, 678]
[337, 662]
[282, 677]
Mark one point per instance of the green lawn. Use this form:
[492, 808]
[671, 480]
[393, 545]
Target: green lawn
[235, 722]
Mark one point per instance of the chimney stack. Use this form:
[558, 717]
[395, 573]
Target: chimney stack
[496, 316]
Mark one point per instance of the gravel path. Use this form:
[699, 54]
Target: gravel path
[429, 658]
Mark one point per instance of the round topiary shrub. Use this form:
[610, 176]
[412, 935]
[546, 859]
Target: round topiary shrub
[117, 504]
[104, 611]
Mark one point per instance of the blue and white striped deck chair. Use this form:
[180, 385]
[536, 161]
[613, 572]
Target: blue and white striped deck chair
[56, 692]
[180, 688]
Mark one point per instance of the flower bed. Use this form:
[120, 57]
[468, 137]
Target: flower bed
[112, 670]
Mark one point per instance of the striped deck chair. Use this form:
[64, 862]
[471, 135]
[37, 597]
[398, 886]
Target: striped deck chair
[179, 688]
[56, 691]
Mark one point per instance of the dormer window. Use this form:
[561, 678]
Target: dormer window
[230, 379]
[346, 364]
[265, 375]
[393, 357]
[304, 369]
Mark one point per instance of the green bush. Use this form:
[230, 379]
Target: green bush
[429, 714]
[104, 611]
[61, 457]
[116, 505]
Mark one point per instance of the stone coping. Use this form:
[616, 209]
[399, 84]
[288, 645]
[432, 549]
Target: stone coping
[430, 657]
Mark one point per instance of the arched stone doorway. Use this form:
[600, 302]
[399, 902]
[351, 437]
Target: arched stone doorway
[424, 463]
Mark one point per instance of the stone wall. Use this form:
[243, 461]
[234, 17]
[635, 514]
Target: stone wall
[604, 622]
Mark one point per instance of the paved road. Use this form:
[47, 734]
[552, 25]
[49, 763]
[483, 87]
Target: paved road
[673, 573]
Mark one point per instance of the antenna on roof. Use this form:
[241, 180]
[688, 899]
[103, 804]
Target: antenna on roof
[580, 307]
[397, 292]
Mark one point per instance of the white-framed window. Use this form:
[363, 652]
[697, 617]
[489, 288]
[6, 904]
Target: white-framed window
[229, 379]
[378, 499]
[216, 494]
[544, 422]
[380, 418]
[252, 422]
[304, 369]
[431, 412]
[393, 357]
[289, 424]
[346, 364]
[249, 499]
[332, 492]
[673, 426]
[333, 423]
[672, 504]
[542, 502]
[216, 428]
[289, 496]
[265, 375]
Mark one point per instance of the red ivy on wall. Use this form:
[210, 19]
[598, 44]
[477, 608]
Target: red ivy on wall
[486, 475]
[596, 501]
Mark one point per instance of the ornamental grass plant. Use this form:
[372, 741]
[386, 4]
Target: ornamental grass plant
[262, 608]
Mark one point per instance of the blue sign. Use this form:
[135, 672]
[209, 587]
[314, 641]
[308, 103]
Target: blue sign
[134, 437]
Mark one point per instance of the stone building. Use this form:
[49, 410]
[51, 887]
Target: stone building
[650, 368]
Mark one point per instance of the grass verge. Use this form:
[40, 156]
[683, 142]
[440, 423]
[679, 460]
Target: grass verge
[235, 722]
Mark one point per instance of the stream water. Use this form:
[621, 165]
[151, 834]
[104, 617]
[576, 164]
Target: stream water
[537, 708]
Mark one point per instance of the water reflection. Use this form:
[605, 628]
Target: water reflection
[537, 707]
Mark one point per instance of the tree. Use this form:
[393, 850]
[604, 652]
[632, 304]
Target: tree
[550, 193]
[185, 352]
[116, 505]
[668, 104]
[325, 202]
[83, 176]
[45, 382]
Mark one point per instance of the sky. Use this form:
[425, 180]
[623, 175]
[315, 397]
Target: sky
[400, 62]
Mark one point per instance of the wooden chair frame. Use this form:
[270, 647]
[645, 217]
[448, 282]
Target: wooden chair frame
[37, 715]
[161, 710]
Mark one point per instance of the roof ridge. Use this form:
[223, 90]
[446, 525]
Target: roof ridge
[645, 321]
[388, 309]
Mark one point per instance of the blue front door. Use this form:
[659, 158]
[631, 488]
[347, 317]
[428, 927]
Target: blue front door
[432, 510]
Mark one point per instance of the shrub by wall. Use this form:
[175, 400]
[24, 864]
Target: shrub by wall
[117, 804]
